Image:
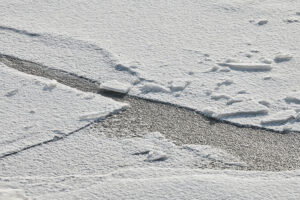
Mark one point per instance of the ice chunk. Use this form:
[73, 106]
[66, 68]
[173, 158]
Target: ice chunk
[153, 87]
[283, 58]
[242, 109]
[279, 118]
[265, 60]
[248, 66]
[115, 86]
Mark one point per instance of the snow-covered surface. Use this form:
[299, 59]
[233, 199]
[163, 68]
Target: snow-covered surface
[34, 110]
[152, 44]
[164, 183]
[88, 165]
[231, 59]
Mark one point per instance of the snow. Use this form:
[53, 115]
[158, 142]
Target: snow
[115, 86]
[89, 165]
[175, 184]
[35, 110]
[145, 44]
[234, 60]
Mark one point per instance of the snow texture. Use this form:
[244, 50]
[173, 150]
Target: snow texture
[89, 165]
[147, 45]
[35, 110]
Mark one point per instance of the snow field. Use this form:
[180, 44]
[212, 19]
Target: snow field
[35, 110]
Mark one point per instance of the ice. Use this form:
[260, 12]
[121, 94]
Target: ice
[115, 86]
[35, 110]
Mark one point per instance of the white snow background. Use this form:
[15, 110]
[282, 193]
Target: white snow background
[231, 59]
